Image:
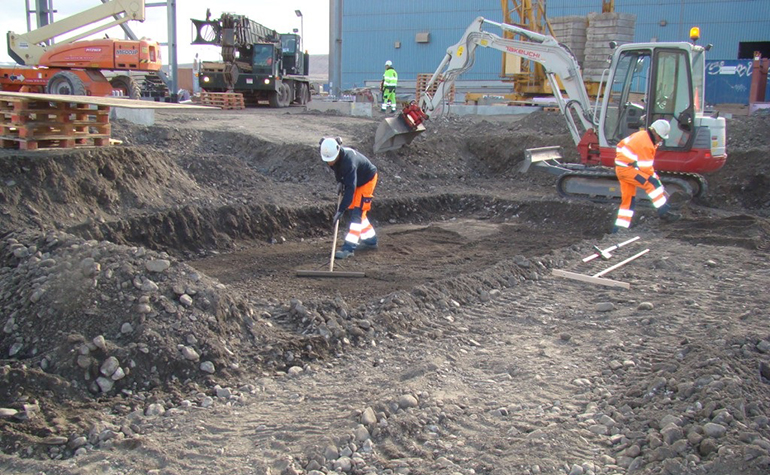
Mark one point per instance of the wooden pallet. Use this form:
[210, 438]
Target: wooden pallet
[422, 84]
[223, 100]
[30, 124]
[54, 142]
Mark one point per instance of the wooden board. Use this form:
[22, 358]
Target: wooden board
[326, 273]
[102, 101]
[591, 279]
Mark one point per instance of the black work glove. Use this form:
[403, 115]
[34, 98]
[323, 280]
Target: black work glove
[340, 188]
[337, 217]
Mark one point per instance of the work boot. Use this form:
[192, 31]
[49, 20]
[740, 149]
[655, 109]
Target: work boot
[665, 213]
[348, 250]
[368, 244]
[670, 216]
[678, 199]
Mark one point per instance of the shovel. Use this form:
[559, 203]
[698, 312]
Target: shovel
[331, 272]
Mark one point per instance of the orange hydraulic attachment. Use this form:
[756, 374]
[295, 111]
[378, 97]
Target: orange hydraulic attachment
[414, 115]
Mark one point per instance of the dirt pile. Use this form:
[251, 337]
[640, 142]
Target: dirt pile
[744, 181]
[152, 321]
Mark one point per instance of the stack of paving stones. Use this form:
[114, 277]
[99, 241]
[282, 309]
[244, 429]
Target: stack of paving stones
[603, 28]
[571, 32]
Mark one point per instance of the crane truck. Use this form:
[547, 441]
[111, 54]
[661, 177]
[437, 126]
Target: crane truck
[75, 67]
[644, 82]
[257, 62]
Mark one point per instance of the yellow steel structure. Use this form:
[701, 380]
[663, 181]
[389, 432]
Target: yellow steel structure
[528, 77]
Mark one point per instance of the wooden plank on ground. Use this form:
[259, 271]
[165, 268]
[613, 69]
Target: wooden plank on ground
[102, 101]
[326, 273]
[591, 279]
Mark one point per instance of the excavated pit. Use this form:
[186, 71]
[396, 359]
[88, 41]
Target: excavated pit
[181, 247]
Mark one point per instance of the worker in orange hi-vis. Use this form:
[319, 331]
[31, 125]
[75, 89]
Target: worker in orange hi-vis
[634, 168]
[356, 179]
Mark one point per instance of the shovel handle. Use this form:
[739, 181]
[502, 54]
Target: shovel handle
[336, 230]
[334, 246]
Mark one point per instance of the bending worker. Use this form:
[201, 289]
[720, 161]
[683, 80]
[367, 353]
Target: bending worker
[356, 178]
[634, 168]
[388, 87]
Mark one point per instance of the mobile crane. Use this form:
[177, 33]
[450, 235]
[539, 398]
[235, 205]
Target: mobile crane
[257, 62]
[645, 82]
[75, 67]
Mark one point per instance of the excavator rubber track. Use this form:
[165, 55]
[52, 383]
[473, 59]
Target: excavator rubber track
[601, 185]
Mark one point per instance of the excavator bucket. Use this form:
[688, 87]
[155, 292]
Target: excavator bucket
[393, 133]
[548, 157]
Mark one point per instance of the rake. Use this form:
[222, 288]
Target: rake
[331, 272]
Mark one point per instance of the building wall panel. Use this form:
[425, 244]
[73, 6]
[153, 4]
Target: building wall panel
[371, 30]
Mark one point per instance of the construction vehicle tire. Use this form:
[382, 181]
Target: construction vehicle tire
[284, 95]
[273, 99]
[303, 97]
[65, 83]
[127, 86]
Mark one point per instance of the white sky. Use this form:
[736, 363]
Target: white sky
[277, 15]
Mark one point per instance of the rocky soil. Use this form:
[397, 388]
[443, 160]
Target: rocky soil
[153, 322]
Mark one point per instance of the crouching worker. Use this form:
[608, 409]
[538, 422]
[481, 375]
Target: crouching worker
[356, 178]
[634, 169]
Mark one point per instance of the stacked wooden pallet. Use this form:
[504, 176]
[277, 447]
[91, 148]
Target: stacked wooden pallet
[422, 84]
[223, 100]
[29, 124]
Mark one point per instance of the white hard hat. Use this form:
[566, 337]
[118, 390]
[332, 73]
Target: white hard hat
[330, 148]
[388, 63]
[661, 127]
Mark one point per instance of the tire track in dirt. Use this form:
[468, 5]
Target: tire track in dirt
[515, 402]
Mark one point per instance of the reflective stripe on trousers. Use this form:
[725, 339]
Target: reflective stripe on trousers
[360, 227]
[631, 179]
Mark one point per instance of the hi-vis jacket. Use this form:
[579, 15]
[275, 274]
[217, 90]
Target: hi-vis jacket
[637, 151]
[390, 78]
[352, 169]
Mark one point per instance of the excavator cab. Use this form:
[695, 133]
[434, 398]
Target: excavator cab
[651, 81]
[647, 85]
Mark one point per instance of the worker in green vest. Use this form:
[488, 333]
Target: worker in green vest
[388, 87]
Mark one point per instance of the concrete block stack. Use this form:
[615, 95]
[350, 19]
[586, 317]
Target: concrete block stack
[603, 28]
[571, 31]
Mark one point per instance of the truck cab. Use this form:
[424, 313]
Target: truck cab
[257, 62]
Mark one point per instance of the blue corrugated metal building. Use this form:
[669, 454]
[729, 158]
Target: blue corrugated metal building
[414, 34]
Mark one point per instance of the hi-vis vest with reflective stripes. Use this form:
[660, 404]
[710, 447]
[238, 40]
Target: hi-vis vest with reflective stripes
[636, 151]
[390, 78]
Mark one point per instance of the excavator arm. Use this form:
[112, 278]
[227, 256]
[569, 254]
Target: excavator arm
[556, 59]
[28, 48]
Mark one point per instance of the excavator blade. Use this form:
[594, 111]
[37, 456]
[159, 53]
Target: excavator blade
[393, 133]
[547, 157]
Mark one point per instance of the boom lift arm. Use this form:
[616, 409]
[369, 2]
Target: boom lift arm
[28, 48]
